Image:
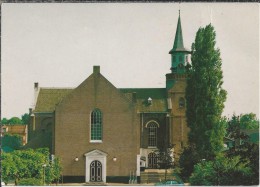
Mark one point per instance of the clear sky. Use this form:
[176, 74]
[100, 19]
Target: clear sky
[58, 44]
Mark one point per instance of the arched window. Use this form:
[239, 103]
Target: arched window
[152, 160]
[152, 134]
[96, 125]
[181, 102]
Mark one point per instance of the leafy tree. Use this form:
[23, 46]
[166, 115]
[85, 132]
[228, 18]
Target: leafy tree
[27, 164]
[249, 121]
[17, 121]
[165, 157]
[12, 141]
[187, 160]
[243, 147]
[4, 121]
[205, 96]
[11, 121]
[30, 182]
[221, 171]
[25, 119]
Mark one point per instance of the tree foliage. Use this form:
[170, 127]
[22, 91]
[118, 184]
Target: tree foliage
[187, 160]
[222, 171]
[243, 146]
[25, 119]
[165, 157]
[12, 141]
[16, 120]
[205, 96]
[27, 164]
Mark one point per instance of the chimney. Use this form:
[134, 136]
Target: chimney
[36, 84]
[30, 111]
[96, 69]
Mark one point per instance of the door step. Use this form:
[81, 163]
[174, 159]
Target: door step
[95, 184]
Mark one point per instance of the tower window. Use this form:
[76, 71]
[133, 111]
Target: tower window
[181, 102]
[96, 125]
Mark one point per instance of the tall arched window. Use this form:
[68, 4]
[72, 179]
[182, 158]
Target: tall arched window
[152, 134]
[96, 125]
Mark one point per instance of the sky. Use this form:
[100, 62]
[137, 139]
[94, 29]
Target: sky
[57, 45]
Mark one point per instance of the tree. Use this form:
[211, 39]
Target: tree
[12, 141]
[204, 95]
[11, 121]
[28, 164]
[17, 121]
[188, 158]
[4, 121]
[165, 157]
[25, 119]
[222, 171]
[243, 147]
[249, 121]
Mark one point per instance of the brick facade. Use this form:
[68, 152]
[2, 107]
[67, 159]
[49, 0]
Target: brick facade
[132, 118]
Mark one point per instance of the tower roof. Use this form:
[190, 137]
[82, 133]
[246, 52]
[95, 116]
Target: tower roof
[178, 41]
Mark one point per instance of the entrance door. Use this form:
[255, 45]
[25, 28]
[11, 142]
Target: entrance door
[95, 171]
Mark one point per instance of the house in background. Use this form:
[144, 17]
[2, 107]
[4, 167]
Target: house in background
[21, 130]
[106, 134]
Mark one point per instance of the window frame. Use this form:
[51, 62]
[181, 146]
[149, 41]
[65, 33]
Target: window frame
[155, 127]
[96, 118]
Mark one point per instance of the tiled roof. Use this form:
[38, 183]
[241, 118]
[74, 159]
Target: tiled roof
[158, 96]
[48, 98]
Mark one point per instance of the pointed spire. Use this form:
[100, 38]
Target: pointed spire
[178, 41]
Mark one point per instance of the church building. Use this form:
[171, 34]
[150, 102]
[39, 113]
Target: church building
[106, 134]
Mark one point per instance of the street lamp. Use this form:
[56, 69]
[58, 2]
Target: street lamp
[44, 166]
[76, 159]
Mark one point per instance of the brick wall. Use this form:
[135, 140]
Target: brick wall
[120, 128]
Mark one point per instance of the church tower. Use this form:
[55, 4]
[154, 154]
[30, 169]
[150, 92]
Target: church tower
[175, 86]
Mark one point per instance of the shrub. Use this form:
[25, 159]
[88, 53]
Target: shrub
[30, 182]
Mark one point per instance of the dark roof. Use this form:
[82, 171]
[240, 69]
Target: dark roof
[158, 96]
[48, 98]
[145, 93]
